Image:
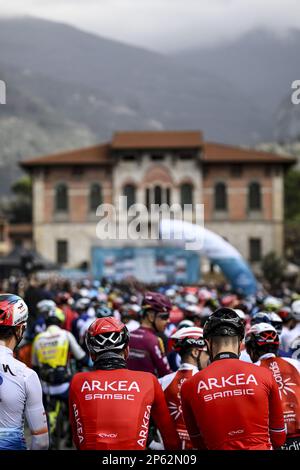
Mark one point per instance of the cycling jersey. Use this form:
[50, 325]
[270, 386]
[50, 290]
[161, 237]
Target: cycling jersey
[171, 385]
[233, 405]
[286, 372]
[111, 409]
[287, 336]
[20, 397]
[52, 348]
[147, 352]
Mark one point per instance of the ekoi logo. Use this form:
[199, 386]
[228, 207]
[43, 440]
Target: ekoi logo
[284, 385]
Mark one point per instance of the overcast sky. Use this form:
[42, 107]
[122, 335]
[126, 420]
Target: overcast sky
[164, 24]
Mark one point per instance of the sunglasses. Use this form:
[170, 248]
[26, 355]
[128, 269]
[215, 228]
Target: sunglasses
[163, 316]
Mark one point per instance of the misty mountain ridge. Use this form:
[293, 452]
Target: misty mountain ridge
[67, 88]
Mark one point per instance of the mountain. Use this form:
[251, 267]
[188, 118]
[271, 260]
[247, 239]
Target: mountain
[261, 64]
[67, 88]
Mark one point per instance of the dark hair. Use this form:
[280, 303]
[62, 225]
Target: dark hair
[53, 321]
[6, 332]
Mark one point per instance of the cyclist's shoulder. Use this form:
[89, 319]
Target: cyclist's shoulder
[166, 380]
[19, 369]
[293, 362]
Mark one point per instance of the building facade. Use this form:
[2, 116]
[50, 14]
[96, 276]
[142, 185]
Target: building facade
[241, 189]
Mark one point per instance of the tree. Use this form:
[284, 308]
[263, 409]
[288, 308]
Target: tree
[20, 206]
[273, 269]
[292, 196]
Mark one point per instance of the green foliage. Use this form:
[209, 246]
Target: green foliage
[292, 242]
[273, 269]
[292, 196]
[19, 207]
[23, 187]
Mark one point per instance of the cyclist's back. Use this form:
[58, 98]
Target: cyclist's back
[286, 372]
[241, 400]
[20, 389]
[50, 351]
[231, 404]
[147, 352]
[110, 410]
[110, 407]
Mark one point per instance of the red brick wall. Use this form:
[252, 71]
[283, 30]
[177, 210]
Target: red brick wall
[79, 186]
[237, 190]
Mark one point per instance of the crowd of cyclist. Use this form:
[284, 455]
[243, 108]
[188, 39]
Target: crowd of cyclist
[152, 369]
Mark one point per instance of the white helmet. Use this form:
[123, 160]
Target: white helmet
[13, 310]
[45, 306]
[191, 299]
[296, 310]
[272, 303]
[185, 323]
[188, 332]
[240, 313]
[261, 328]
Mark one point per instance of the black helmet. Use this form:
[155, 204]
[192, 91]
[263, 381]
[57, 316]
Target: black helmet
[224, 322]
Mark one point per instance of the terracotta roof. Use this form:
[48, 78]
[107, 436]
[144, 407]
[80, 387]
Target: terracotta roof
[156, 140]
[99, 154]
[217, 153]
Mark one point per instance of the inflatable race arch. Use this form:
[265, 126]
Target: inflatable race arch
[215, 248]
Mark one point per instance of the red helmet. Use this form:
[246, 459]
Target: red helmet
[106, 334]
[157, 302]
[13, 310]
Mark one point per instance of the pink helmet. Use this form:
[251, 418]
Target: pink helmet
[157, 302]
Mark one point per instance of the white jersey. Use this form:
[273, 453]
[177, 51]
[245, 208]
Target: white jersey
[20, 398]
[166, 380]
[244, 356]
[288, 336]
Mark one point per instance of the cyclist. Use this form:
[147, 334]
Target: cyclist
[20, 389]
[247, 395]
[111, 406]
[262, 343]
[147, 351]
[50, 355]
[190, 345]
[292, 329]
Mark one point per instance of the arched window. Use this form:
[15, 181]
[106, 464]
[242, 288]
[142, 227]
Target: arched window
[129, 192]
[186, 194]
[95, 196]
[220, 197]
[61, 198]
[158, 195]
[254, 196]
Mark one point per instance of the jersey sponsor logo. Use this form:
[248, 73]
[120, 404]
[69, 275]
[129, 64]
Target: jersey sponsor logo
[225, 382]
[284, 385]
[143, 434]
[238, 431]
[6, 369]
[104, 435]
[237, 392]
[109, 396]
[106, 386]
[79, 428]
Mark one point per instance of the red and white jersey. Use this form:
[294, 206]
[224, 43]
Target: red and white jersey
[233, 405]
[111, 409]
[286, 372]
[171, 385]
